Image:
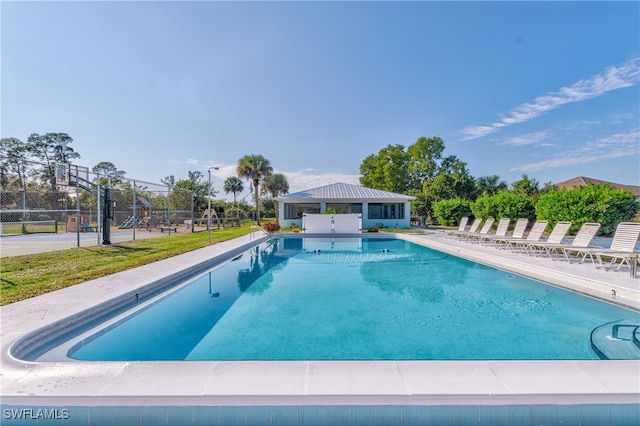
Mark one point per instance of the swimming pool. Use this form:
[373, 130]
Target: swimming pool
[353, 298]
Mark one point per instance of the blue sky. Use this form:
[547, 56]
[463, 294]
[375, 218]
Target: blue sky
[550, 89]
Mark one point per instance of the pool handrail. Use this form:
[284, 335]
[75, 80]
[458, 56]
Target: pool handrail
[257, 228]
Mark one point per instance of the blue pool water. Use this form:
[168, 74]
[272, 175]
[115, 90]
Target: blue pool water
[355, 299]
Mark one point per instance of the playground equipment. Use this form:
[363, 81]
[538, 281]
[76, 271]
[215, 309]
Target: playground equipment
[80, 223]
[129, 222]
[209, 215]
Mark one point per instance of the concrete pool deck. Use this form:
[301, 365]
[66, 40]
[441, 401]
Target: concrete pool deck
[502, 386]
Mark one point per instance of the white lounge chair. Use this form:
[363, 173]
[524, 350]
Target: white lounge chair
[516, 243]
[501, 231]
[582, 240]
[622, 248]
[462, 226]
[486, 227]
[558, 233]
[518, 232]
[474, 228]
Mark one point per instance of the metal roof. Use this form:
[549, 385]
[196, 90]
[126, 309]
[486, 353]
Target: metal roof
[345, 191]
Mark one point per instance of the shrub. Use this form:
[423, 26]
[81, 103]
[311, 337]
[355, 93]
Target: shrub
[271, 226]
[504, 204]
[593, 203]
[449, 212]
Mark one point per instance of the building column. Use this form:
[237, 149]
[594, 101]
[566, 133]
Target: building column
[281, 211]
[365, 214]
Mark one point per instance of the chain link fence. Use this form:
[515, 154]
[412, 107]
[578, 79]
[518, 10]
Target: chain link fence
[82, 208]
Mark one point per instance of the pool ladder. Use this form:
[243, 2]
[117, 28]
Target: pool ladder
[616, 340]
[256, 229]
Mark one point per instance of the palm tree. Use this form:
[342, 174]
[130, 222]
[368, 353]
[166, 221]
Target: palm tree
[233, 184]
[255, 168]
[490, 185]
[276, 185]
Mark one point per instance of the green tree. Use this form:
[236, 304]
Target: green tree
[59, 142]
[14, 161]
[51, 148]
[108, 173]
[424, 155]
[453, 180]
[527, 187]
[254, 168]
[387, 170]
[398, 170]
[268, 207]
[234, 185]
[421, 206]
[420, 171]
[275, 185]
[196, 183]
[169, 180]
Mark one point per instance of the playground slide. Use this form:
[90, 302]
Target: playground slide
[128, 223]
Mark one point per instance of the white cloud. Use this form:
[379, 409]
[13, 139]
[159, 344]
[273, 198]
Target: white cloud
[614, 77]
[307, 179]
[299, 180]
[615, 146]
[528, 139]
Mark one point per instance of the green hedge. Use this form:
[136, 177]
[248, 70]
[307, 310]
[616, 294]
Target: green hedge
[593, 203]
[448, 212]
[504, 204]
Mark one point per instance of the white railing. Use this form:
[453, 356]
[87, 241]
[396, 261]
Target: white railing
[255, 229]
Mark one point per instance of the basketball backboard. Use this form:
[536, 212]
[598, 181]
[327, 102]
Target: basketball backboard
[66, 174]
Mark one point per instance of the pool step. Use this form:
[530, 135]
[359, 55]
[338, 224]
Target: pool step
[617, 340]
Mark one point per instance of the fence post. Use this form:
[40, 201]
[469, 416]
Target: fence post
[24, 203]
[193, 217]
[135, 212]
[77, 208]
[169, 208]
[98, 206]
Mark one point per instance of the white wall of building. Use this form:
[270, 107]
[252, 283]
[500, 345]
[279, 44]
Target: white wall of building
[331, 223]
[404, 222]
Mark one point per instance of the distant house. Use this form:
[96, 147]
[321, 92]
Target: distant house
[376, 207]
[585, 181]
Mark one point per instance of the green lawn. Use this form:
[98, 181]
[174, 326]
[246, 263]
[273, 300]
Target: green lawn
[22, 277]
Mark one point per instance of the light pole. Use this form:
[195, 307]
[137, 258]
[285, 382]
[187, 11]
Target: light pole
[209, 202]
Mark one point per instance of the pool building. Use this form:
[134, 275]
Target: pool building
[306, 391]
[376, 207]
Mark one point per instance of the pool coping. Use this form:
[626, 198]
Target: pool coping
[308, 382]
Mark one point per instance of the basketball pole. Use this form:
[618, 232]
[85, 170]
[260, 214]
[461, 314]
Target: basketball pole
[107, 214]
